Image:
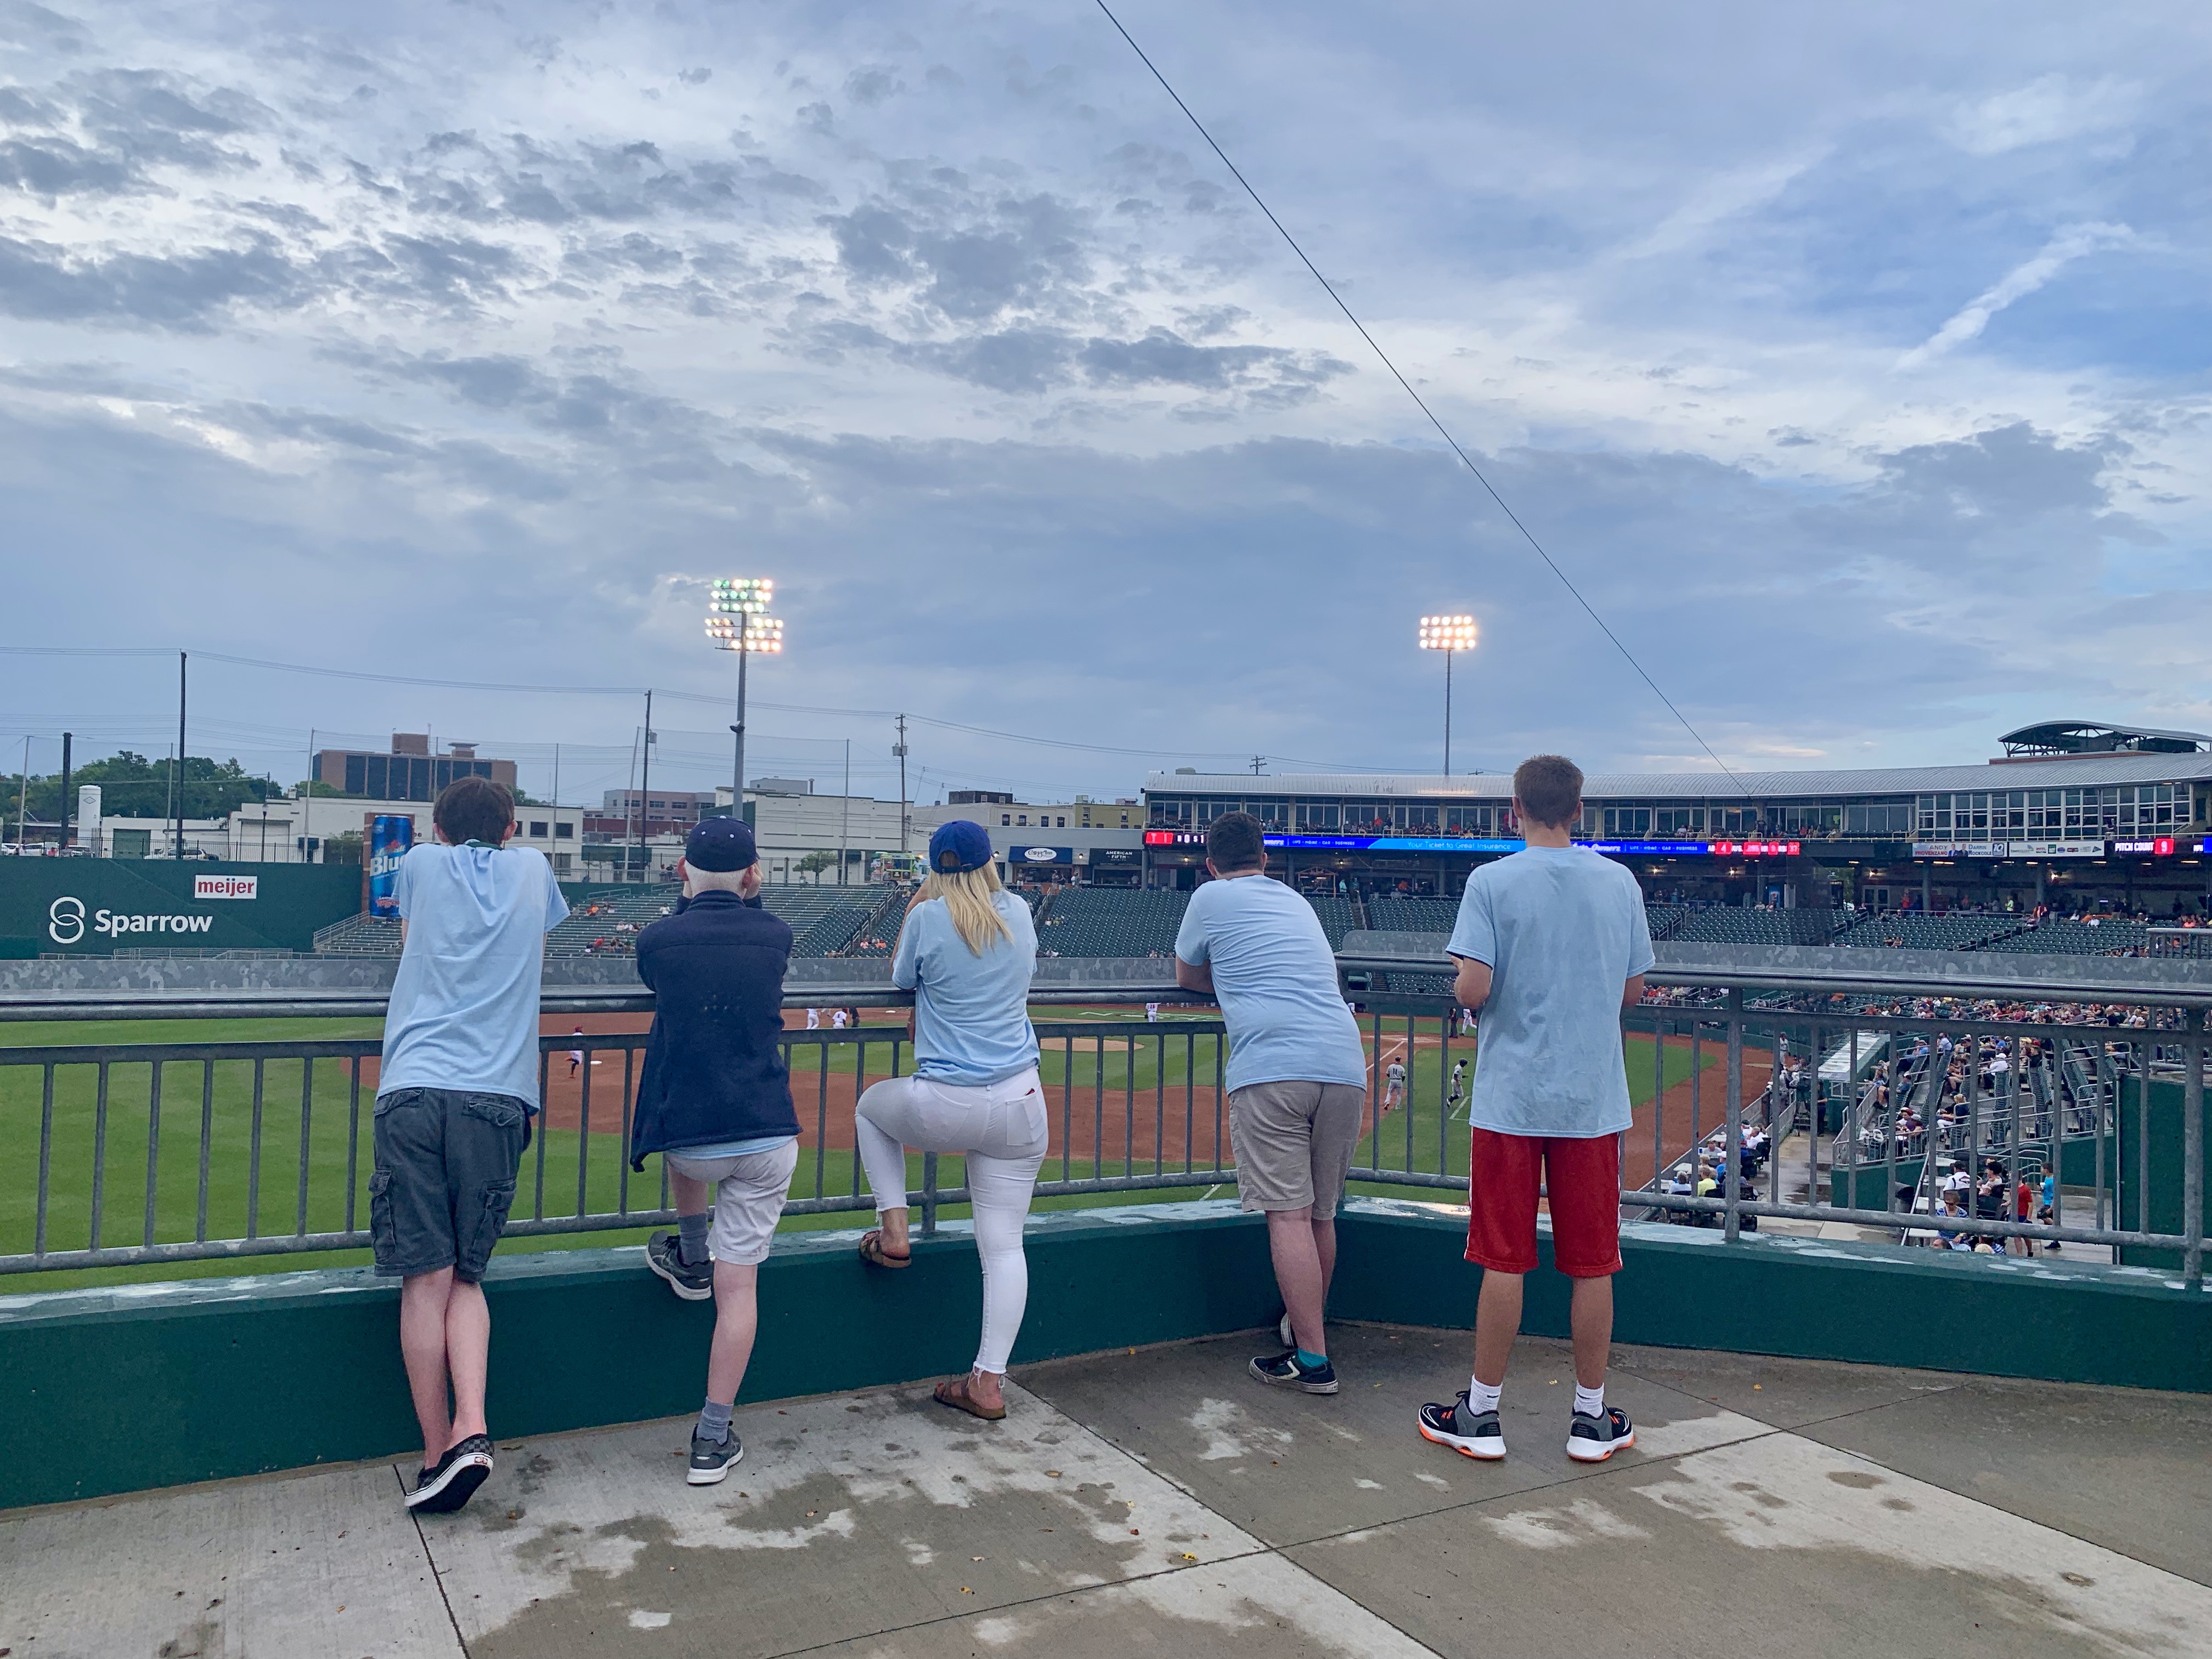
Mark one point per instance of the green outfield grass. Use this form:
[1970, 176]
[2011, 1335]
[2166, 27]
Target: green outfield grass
[306, 1155]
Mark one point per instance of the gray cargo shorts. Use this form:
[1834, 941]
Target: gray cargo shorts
[1294, 1142]
[445, 1160]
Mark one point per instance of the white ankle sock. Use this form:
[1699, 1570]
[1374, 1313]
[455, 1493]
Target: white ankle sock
[1480, 1396]
[1589, 1402]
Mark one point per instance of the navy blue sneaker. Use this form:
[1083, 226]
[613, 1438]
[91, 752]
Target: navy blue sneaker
[1285, 1369]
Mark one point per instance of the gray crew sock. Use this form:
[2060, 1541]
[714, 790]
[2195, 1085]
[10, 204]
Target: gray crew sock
[691, 1238]
[714, 1422]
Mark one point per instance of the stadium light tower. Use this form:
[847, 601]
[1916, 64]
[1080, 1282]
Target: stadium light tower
[737, 620]
[1451, 635]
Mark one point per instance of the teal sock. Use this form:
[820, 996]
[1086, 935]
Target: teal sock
[1312, 1361]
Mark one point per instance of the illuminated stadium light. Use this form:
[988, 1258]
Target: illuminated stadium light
[737, 620]
[1447, 634]
[1451, 635]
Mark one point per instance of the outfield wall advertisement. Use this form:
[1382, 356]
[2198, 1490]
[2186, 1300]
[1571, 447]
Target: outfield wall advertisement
[96, 907]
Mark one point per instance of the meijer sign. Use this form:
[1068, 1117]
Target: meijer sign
[226, 887]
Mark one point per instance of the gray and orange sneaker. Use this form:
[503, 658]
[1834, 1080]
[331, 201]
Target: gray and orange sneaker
[1470, 1433]
[1594, 1439]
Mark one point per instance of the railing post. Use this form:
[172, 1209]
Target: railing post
[2192, 1146]
[1731, 1178]
[929, 1194]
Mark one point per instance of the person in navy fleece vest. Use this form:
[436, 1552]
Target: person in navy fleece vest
[714, 1100]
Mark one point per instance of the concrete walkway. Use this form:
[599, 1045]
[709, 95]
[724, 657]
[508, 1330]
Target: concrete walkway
[1161, 1502]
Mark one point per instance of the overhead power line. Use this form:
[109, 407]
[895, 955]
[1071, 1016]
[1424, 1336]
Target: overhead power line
[616, 691]
[1419, 401]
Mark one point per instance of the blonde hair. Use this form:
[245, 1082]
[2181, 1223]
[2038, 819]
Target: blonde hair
[968, 899]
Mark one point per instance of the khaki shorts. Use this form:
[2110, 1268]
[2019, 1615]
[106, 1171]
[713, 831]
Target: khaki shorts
[1294, 1142]
[749, 1194]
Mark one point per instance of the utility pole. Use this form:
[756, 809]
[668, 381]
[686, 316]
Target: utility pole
[899, 749]
[645, 791]
[306, 800]
[1258, 761]
[23, 796]
[63, 840]
[844, 809]
[180, 755]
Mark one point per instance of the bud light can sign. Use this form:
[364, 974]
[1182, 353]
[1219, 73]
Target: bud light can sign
[390, 838]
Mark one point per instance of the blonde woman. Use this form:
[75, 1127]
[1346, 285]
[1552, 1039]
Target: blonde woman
[966, 951]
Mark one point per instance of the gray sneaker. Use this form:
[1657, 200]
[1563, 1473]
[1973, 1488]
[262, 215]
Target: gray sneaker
[1594, 1439]
[693, 1281]
[713, 1459]
[1471, 1434]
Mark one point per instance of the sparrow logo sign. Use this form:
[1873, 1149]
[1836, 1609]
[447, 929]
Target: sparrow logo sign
[65, 920]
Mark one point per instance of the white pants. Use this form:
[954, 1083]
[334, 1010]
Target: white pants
[1002, 1129]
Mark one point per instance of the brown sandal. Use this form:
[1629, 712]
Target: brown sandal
[872, 1252]
[953, 1392]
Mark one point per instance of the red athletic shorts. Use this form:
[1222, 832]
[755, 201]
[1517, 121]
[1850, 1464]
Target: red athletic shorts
[1581, 1180]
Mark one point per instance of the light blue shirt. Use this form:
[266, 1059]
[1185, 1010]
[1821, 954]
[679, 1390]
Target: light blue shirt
[971, 1014]
[464, 1011]
[1276, 979]
[1562, 930]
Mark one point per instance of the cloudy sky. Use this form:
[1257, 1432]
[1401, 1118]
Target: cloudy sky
[1853, 361]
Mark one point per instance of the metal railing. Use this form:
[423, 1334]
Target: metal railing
[191, 1151]
[178, 1151]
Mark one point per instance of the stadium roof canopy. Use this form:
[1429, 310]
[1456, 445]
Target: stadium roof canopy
[2030, 773]
[2094, 738]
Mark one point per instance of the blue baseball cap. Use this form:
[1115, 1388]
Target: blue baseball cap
[720, 845]
[959, 846]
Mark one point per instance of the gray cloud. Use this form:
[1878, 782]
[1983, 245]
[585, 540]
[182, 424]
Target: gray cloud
[39, 280]
[452, 331]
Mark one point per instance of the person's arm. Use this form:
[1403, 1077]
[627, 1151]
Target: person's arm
[1471, 984]
[1640, 958]
[1193, 958]
[906, 954]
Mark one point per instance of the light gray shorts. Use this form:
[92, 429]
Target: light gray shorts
[1294, 1141]
[749, 1194]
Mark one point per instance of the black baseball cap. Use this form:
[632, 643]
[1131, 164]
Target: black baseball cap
[720, 845]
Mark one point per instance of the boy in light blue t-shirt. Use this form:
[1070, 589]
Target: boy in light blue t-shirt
[1297, 1076]
[1551, 945]
[456, 1088]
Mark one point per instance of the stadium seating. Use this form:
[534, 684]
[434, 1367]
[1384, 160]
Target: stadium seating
[1111, 921]
[824, 921]
[876, 935]
[359, 936]
[2069, 938]
[1393, 914]
[1729, 925]
[1661, 919]
[611, 914]
[1918, 933]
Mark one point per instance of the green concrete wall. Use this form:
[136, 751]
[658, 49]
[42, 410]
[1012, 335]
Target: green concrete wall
[226, 1378]
[1861, 1188]
[2164, 1191]
[292, 902]
[236, 1376]
[1685, 1287]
